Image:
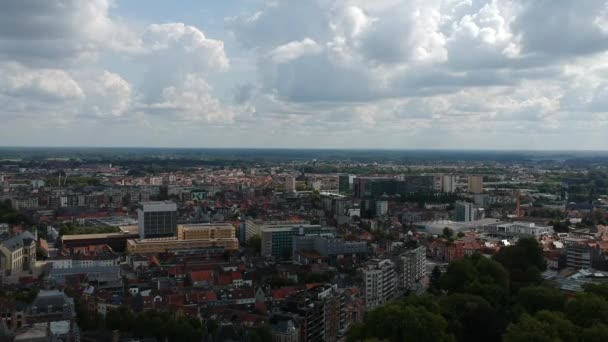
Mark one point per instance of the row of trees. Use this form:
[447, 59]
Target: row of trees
[73, 229]
[158, 325]
[483, 299]
[154, 324]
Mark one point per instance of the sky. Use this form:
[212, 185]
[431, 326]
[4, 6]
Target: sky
[406, 74]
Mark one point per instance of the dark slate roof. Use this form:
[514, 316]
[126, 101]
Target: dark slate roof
[18, 241]
[53, 299]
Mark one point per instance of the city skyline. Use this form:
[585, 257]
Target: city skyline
[470, 75]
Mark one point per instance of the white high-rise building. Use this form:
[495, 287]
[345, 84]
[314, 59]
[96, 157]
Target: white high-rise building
[448, 183]
[290, 184]
[379, 282]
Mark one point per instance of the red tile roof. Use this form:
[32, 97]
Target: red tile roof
[224, 279]
[202, 276]
[284, 292]
[202, 297]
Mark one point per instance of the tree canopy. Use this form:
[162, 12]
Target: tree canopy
[491, 299]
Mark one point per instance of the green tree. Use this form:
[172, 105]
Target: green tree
[471, 318]
[545, 326]
[600, 289]
[459, 274]
[260, 334]
[87, 319]
[587, 309]
[448, 233]
[121, 319]
[396, 322]
[524, 261]
[435, 281]
[537, 298]
[597, 333]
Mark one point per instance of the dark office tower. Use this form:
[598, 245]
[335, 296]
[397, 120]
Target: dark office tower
[157, 219]
[344, 184]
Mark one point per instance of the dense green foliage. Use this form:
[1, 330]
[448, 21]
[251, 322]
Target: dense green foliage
[154, 324]
[73, 181]
[12, 216]
[524, 262]
[482, 299]
[26, 296]
[72, 229]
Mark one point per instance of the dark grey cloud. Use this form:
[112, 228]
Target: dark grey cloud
[562, 27]
[59, 32]
[316, 78]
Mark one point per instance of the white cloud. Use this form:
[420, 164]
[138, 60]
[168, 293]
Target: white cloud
[295, 50]
[55, 84]
[186, 42]
[58, 32]
[110, 95]
[191, 101]
[562, 27]
[430, 73]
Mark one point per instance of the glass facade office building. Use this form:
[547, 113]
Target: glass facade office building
[157, 219]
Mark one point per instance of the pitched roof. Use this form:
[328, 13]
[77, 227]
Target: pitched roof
[205, 275]
[18, 241]
[202, 297]
[284, 292]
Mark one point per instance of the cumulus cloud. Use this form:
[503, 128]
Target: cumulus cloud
[60, 31]
[281, 22]
[110, 95]
[52, 84]
[191, 100]
[52, 49]
[187, 44]
[295, 50]
[562, 27]
[404, 73]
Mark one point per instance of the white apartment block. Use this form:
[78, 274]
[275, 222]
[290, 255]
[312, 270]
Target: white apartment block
[379, 282]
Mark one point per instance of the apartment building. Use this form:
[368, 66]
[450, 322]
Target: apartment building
[410, 269]
[379, 282]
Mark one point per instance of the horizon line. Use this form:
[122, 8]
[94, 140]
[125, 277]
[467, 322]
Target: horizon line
[437, 149]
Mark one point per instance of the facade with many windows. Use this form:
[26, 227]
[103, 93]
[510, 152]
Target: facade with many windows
[18, 254]
[157, 219]
[379, 282]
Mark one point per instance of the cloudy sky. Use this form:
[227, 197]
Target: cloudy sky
[505, 74]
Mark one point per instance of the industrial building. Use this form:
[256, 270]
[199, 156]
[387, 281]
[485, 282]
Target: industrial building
[518, 229]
